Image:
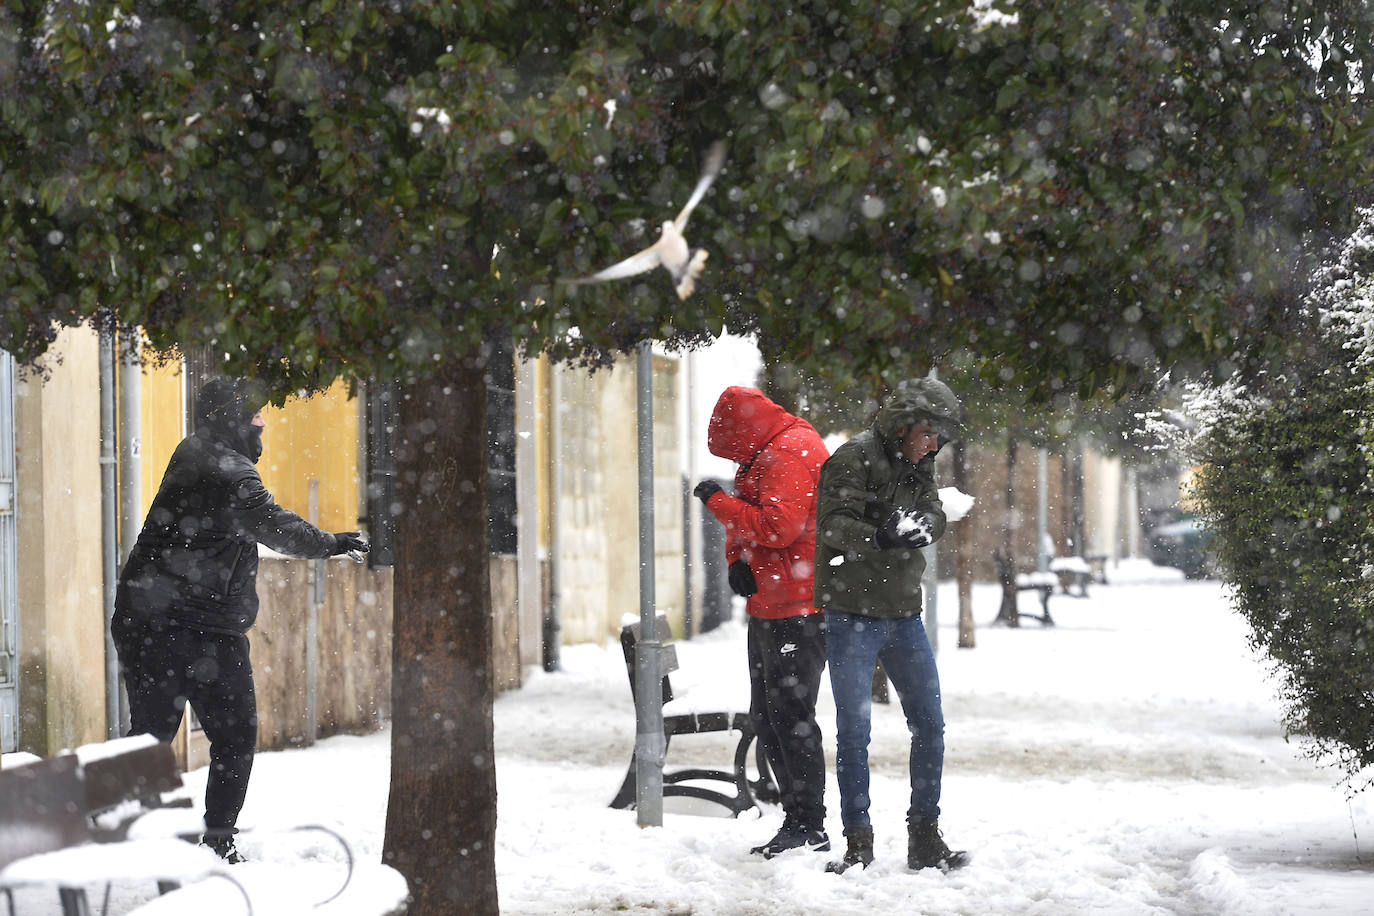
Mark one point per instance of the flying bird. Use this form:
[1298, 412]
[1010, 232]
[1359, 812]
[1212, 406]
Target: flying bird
[671, 250]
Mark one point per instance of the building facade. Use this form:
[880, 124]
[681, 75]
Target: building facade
[563, 534]
[563, 529]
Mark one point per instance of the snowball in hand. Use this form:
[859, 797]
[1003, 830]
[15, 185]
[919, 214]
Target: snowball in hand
[956, 503]
[914, 521]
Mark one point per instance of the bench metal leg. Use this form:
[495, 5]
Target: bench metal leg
[765, 788]
[743, 797]
[746, 791]
[74, 901]
[625, 798]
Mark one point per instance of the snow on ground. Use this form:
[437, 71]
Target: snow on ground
[1128, 761]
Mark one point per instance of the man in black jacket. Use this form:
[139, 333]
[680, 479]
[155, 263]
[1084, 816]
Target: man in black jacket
[188, 593]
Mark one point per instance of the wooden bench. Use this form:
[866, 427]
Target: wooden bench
[112, 812]
[64, 821]
[42, 810]
[677, 782]
[1042, 583]
[1072, 572]
[140, 770]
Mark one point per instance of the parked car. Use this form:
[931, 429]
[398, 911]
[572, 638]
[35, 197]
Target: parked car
[1185, 544]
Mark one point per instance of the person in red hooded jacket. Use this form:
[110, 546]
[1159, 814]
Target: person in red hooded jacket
[770, 525]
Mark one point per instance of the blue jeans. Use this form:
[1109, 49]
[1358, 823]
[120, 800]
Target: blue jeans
[853, 643]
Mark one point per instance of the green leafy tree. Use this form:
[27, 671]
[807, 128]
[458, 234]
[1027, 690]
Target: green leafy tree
[1285, 485]
[1075, 191]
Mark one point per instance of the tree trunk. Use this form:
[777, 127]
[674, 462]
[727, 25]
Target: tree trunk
[1008, 613]
[1077, 531]
[963, 553]
[441, 813]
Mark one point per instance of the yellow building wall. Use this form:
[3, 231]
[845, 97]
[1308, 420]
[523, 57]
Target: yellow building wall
[314, 438]
[306, 439]
[162, 424]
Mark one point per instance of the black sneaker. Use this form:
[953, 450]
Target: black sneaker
[223, 846]
[815, 839]
[798, 837]
[781, 840]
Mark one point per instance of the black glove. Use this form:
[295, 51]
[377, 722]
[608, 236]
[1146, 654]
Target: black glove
[742, 579]
[705, 490]
[903, 530]
[349, 542]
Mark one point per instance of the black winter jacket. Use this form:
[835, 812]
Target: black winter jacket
[862, 483]
[196, 560]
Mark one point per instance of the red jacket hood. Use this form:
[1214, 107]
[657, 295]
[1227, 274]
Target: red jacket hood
[744, 421]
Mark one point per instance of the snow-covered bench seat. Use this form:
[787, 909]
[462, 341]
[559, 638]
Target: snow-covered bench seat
[115, 812]
[688, 716]
[63, 822]
[1074, 572]
[166, 862]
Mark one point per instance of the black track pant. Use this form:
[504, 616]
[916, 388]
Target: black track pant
[786, 660]
[165, 668]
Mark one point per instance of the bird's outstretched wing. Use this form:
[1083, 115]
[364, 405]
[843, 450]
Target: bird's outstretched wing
[637, 263]
[715, 158]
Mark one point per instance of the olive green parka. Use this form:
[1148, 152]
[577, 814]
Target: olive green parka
[861, 484]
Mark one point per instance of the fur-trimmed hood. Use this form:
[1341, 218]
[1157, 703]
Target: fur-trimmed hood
[921, 400]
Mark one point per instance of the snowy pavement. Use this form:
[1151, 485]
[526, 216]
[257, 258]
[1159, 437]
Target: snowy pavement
[1128, 761]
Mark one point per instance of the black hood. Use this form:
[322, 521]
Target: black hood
[224, 413]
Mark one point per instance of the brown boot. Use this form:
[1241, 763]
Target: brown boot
[860, 851]
[926, 848]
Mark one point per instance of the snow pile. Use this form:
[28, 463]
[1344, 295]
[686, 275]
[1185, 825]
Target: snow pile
[1215, 880]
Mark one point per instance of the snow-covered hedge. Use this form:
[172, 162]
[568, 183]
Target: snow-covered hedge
[1285, 484]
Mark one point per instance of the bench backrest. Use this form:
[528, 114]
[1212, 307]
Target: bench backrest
[42, 808]
[142, 774]
[629, 637]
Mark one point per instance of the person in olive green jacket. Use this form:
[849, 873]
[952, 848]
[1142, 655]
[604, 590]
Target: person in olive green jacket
[878, 506]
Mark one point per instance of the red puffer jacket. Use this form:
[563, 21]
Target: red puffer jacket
[770, 522]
